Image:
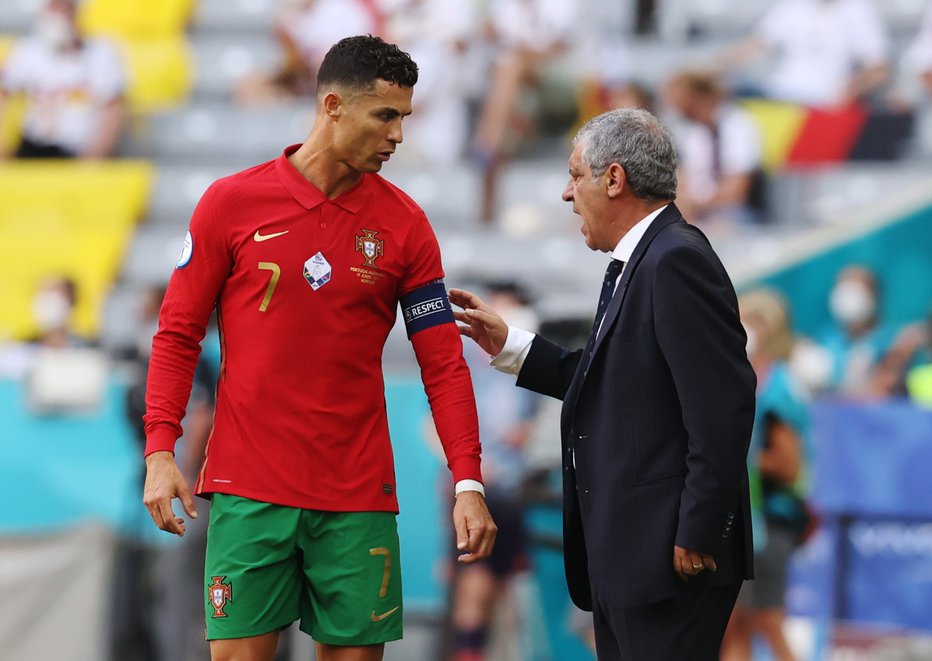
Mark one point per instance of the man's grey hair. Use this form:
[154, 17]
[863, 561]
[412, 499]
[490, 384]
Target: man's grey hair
[639, 143]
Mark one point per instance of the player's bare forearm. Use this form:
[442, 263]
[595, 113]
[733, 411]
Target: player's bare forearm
[164, 482]
[475, 529]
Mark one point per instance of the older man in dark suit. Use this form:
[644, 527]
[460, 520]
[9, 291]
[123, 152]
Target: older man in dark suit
[657, 408]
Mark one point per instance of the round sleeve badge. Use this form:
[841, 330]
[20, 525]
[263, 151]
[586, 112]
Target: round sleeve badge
[186, 251]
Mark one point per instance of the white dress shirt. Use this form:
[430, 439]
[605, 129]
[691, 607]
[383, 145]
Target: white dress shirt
[518, 343]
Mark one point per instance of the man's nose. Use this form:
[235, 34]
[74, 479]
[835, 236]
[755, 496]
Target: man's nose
[396, 134]
[568, 192]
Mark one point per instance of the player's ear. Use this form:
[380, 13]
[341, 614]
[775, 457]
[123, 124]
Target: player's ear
[332, 103]
[615, 178]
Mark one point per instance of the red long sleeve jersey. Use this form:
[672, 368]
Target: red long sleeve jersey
[306, 290]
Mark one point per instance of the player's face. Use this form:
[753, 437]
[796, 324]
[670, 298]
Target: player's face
[587, 193]
[370, 127]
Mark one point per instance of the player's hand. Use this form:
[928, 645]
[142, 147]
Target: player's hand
[688, 563]
[482, 323]
[475, 530]
[164, 481]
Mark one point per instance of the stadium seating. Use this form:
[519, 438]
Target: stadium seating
[137, 20]
[235, 16]
[65, 218]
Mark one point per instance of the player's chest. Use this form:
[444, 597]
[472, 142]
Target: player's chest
[320, 253]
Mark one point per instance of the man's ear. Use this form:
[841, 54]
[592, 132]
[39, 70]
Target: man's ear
[333, 105]
[615, 179]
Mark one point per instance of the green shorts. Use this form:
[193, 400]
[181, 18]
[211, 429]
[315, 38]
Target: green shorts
[269, 565]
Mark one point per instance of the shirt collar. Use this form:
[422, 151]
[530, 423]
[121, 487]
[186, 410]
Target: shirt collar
[308, 195]
[630, 240]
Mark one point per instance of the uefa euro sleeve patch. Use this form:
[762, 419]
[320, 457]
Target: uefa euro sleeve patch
[425, 307]
[186, 251]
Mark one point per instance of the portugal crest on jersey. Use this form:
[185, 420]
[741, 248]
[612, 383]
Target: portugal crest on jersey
[220, 594]
[370, 247]
[317, 271]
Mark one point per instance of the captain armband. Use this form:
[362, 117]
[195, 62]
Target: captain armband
[425, 307]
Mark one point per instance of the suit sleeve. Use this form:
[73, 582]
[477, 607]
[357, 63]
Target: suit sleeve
[439, 351]
[701, 337]
[549, 368]
[190, 298]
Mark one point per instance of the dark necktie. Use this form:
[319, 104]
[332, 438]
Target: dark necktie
[608, 289]
[605, 296]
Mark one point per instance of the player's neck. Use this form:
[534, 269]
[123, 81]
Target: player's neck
[318, 165]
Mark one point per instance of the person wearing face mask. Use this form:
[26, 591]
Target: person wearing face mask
[858, 341]
[74, 88]
[52, 309]
[777, 465]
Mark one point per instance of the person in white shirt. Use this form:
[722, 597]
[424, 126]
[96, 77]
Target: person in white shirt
[74, 88]
[918, 57]
[304, 30]
[719, 150]
[528, 34]
[441, 36]
[828, 52]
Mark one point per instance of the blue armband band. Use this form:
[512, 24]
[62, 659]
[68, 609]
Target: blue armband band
[425, 307]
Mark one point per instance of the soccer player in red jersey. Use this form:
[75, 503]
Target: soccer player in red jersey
[306, 259]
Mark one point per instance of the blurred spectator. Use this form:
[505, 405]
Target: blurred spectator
[719, 150]
[919, 55]
[828, 52]
[53, 311]
[918, 378]
[305, 29]
[778, 458]
[527, 34]
[73, 88]
[506, 419]
[63, 372]
[898, 372]
[607, 70]
[158, 609]
[858, 340]
[440, 36]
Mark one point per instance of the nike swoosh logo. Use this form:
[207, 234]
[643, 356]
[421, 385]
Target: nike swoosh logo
[379, 618]
[265, 237]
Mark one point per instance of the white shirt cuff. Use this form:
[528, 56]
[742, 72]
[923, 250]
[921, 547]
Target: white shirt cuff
[468, 485]
[517, 346]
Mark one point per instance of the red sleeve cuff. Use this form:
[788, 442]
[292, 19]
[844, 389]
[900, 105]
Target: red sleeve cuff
[466, 468]
[160, 439]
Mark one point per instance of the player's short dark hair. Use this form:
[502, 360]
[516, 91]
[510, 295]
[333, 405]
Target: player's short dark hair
[357, 62]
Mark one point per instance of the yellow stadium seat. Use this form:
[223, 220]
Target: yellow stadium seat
[136, 19]
[160, 72]
[65, 218]
[12, 120]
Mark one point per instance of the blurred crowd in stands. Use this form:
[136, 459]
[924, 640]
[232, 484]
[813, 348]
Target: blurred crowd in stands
[502, 80]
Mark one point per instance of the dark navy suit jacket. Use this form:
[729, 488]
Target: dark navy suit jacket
[659, 422]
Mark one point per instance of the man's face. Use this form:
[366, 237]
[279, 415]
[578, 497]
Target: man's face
[369, 128]
[588, 195]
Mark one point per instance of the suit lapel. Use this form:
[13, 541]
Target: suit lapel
[668, 216]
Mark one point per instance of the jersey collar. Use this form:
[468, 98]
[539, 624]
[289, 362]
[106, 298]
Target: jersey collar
[308, 195]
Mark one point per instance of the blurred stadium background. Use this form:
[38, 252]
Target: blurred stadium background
[208, 91]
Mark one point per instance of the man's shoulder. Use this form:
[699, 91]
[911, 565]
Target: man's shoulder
[681, 241]
[243, 182]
